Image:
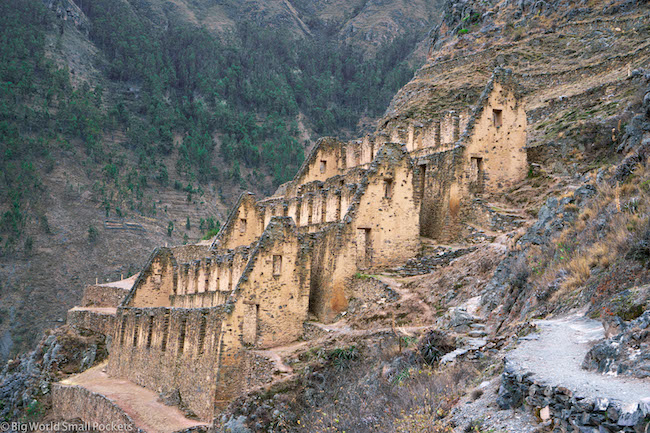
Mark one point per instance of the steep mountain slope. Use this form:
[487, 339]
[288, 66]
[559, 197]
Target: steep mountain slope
[127, 125]
[573, 234]
[363, 23]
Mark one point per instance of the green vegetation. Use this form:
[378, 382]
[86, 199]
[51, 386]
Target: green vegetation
[210, 227]
[93, 233]
[232, 103]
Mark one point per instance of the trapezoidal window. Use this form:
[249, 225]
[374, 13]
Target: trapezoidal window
[323, 166]
[497, 117]
[388, 188]
[277, 265]
[242, 225]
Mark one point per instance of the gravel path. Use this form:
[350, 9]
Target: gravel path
[555, 353]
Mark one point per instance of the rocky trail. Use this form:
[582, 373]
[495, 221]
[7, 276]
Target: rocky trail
[555, 353]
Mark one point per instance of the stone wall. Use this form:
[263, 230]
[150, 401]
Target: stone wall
[170, 350]
[373, 234]
[208, 282]
[75, 402]
[496, 157]
[272, 296]
[156, 281]
[185, 327]
[103, 296]
[561, 410]
[243, 226]
[438, 188]
[96, 321]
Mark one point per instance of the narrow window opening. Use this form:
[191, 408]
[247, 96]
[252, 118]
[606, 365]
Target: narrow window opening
[364, 248]
[181, 337]
[477, 175]
[277, 265]
[388, 188]
[323, 166]
[423, 180]
[123, 331]
[477, 168]
[150, 333]
[242, 225]
[136, 330]
[497, 117]
[311, 211]
[165, 336]
[251, 313]
[202, 332]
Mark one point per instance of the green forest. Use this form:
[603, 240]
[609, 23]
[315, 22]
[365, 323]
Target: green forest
[243, 90]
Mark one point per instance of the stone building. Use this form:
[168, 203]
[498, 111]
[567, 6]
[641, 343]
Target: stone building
[192, 317]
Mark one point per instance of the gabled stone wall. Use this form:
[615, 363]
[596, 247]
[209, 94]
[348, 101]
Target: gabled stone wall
[187, 326]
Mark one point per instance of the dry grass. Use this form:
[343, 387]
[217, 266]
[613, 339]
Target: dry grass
[362, 397]
[601, 234]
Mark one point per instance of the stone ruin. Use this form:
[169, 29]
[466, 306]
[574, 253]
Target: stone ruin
[188, 325]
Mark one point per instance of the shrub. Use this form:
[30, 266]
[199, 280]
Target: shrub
[435, 345]
[93, 233]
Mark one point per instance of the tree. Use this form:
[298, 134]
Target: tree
[93, 233]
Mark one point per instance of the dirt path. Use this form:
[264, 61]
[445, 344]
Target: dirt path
[140, 404]
[406, 294]
[555, 354]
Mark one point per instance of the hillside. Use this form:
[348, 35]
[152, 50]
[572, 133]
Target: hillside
[127, 125]
[532, 317]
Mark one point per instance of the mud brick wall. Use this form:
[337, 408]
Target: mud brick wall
[99, 322]
[74, 402]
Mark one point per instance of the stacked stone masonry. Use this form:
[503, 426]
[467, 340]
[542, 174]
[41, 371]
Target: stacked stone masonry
[194, 315]
[560, 410]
